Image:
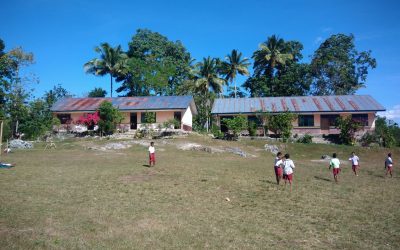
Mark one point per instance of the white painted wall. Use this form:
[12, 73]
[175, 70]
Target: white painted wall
[187, 117]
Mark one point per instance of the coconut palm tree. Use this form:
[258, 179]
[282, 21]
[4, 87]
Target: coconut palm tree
[271, 53]
[207, 76]
[234, 65]
[112, 61]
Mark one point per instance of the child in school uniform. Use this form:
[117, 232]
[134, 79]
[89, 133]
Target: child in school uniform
[354, 162]
[389, 165]
[152, 155]
[288, 166]
[335, 164]
[278, 167]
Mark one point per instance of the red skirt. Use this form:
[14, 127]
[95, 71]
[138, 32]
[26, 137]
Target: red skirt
[152, 157]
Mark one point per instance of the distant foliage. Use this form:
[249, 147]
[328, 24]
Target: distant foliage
[109, 118]
[348, 128]
[97, 92]
[150, 117]
[306, 139]
[216, 131]
[252, 128]
[236, 125]
[281, 124]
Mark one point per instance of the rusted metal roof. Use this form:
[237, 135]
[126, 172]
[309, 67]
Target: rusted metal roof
[297, 104]
[125, 103]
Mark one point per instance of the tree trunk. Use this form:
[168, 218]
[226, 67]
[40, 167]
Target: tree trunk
[111, 84]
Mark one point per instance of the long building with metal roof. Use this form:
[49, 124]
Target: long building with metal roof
[181, 108]
[316, 114]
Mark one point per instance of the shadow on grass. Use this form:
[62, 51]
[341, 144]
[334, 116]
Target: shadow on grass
[146, 165]
[268, 181]
[322, 178]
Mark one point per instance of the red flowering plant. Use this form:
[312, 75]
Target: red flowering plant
[90, 120]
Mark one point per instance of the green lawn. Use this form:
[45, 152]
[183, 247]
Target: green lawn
[75, 198]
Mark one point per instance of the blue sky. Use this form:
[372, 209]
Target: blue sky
[62, 34]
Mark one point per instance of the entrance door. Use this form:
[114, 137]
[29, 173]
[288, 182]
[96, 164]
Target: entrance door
[324, 123]
[133, 121]
[178, 117]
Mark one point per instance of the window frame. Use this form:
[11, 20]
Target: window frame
[362, 118]
[301, 121]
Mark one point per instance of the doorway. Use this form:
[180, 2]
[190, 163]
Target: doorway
[133, 121]
[178, 117]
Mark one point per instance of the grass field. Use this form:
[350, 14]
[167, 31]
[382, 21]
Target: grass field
[76, 198]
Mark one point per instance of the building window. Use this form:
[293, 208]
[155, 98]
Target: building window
[331, 120]
[253, 118]
[361, 118]
[64, 118]
[148, 117]
[306, 120]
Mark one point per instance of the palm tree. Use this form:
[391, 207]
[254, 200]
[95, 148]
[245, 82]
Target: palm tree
[112, 61]
[207, 76]
[271, 53]
[234, 65]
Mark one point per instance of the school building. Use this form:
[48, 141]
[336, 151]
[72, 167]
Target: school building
[133, 109]
[316, 114]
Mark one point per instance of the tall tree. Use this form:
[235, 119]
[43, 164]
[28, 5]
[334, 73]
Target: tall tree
[55, 94]
[208, 83]
[97, 92]
[271, 53]
[156, 66]
[112, 61]
[338, 68]
[234, 65]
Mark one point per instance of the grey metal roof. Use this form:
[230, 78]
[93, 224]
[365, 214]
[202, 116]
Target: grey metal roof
[298, 104]
[125, 103]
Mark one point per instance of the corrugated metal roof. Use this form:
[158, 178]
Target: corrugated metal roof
[298, 104]
[126, 103]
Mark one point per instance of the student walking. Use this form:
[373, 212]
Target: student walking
[335, 164]
[354, 163]
[389, 165]
[152, 154]
[288, 166]
[278, 167]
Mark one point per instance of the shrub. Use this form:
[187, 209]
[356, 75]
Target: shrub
[216, 131]
[252, 128]
[348, 128]
[109, 118]
[236, 125]
[281, 124]
[307, 139]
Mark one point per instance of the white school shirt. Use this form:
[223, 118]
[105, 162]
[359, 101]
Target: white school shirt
[335, 163]
[389, 162]
[278, 162]
[354, 160]
[288, 166]
[152, 150]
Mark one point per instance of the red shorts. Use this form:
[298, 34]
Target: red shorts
[288, 177]
[152, 157]
[336, 171]
[278, 171]
[354, 167]
[389, 168]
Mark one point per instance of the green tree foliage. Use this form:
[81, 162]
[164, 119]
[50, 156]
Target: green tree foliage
[233, 66]
[277, 71]
[386, 131]
[281, 124]
[338, 68]
[37, 121]
[109, 118]
[149, 117]
[112, 61]
[348, 128]
[55, 94]
[236, 125]
[156, 66]
[97, 92]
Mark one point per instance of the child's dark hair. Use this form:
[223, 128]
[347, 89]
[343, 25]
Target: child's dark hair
[390, 154]
[152, 143]
[334, 155]
[279, 154]
[287, 156]
[353, 152]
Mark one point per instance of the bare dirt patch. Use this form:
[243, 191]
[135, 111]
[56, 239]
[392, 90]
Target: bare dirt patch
[142, 177]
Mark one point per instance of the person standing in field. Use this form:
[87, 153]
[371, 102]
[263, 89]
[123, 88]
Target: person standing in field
[288, 166]
[335, 164]
[152, 154]
[278, 167]
[389, 165]
[354, 162]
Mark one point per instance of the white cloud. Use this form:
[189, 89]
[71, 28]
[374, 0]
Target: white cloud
[318, 40]
[326, 29]
[392, 114]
